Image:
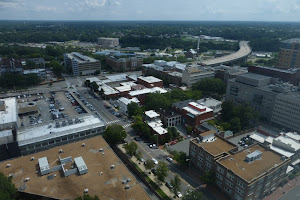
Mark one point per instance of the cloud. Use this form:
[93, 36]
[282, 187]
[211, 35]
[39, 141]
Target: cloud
[139, 12]
[10, 3]
[41, 8]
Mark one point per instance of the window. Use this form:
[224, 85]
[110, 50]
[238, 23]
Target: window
[229, 183]
[220, 183]
[239, 190]
[219, 176]
[193, 153]
[199, 158]
[200, 151]
[237, 197]
[194, 147]
[51, 142]
[241, 183]
[208, 164]
[220, 170]
[231, 177]
[227, 189]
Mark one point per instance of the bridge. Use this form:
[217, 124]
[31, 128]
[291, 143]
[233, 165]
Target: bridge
[241, 54]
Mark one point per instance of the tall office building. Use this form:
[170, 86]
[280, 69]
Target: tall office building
[289, 54]
[81, 64]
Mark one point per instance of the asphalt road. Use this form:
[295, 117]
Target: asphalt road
[294, 194]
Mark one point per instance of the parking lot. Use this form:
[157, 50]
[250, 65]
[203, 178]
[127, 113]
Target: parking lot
[242, 141]
[47, 107]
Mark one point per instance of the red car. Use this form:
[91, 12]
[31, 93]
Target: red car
[172, 143]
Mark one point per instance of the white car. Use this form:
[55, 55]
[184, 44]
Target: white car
[154, 161]
[179, 195]
[169, 159]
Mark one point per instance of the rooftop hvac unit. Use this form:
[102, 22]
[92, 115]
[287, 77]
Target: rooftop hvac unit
[83, 144]
[101, 150]
[27, 179]
[126, 187]
[63, 123]
[86, 190]
[60, 151]
[112, 166]
[10, 175]
[101, 173]
[128, 180]
[49, 126]
[77, 120]
[8, 165]
[32, 158]
[57, 125]
[70, 121]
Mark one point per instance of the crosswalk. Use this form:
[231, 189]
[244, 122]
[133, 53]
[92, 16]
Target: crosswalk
[113, 122]
[126, 125]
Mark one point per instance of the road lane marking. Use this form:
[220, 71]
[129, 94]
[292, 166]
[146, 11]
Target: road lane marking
[298, 194]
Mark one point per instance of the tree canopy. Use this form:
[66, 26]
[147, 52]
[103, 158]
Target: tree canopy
[149, 164]
[134, 109]
[161, 171]
[210, 86]
[8, 190]
[192, 195]
[131, 148]
[114, 134]
[176, 182]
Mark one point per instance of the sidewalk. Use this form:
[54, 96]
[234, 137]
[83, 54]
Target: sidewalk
[163, 187]
[280, 191]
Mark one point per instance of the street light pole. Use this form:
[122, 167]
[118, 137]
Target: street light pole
[189, 160]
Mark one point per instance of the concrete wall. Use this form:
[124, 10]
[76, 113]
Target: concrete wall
[56, 168]
[70, 172]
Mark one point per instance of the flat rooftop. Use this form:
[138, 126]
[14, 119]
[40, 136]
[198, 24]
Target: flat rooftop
[251, 170]
[151, 114]
[81, 58]
[254, 76]
[149, 79]
[46, 131]
[10, 113]
[197, 109]
[215, 148]
[147, 90]
[107, 186]
[243, 51]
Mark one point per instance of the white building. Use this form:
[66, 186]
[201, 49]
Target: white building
[6, 136]
[123, 103]
[154, 122]
[108, 42]
[81, 64]
[194, 74]
[213, 104]
[47, 135]
[8, 113]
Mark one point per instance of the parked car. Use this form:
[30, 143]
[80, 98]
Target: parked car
[136, 139]
[179, 195]
[153, 171]
[154, 161]
[142, 159]
[173, 143]
[169, 185]
[169, 159]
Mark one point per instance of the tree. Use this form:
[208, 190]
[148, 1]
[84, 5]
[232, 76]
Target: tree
[114, 134]
[192, 195]
[134, 109]
[97, 72]
[181, 158]
[176, 182]
[247, 115]
[56, 67]
[94, 86]
[209, 177]
[210, 86]
[149, 164]
[131, 148]
[156, 101]
[235, 124]
[8, 190]
[227, 110]
[87, 83]
[161, 171]
[138, 155]
[87, 197]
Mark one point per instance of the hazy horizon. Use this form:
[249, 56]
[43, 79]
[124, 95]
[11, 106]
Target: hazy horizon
[167, 10]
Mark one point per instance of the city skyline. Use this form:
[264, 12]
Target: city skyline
[231, 10]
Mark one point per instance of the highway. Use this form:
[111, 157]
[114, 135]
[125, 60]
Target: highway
[244, 51]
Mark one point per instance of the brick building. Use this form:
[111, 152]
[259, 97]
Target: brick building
[289, 54]
[124, 64]
[150, 81]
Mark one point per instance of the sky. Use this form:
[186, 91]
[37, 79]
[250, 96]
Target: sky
[198, 10]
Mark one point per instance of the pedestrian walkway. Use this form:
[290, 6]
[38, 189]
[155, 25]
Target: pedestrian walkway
[113, 122]
[280, 191]
[126, 125]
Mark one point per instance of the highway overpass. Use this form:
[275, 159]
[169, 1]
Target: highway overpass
[241, 54]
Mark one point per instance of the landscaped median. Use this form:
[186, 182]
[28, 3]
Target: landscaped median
[161, 190]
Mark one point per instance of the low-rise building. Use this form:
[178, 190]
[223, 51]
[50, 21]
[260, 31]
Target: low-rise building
[195, 114]
[81, 64]
[170, 118]
[213, 104]
[142, 94]
[47, 135]
[225, 73]
[155, 123]
[10, 65]
[123, 104]
[8, 113]
[194, 74]
[150, 81]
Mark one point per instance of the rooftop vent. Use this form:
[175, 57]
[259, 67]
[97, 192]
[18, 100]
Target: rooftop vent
[60, 151]
[126, 187]
[86, 190]
[83, 144]
[8, 165]
[32, 158]
[112, 166]
[27, 179]
[101, 150]
[253, 156]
